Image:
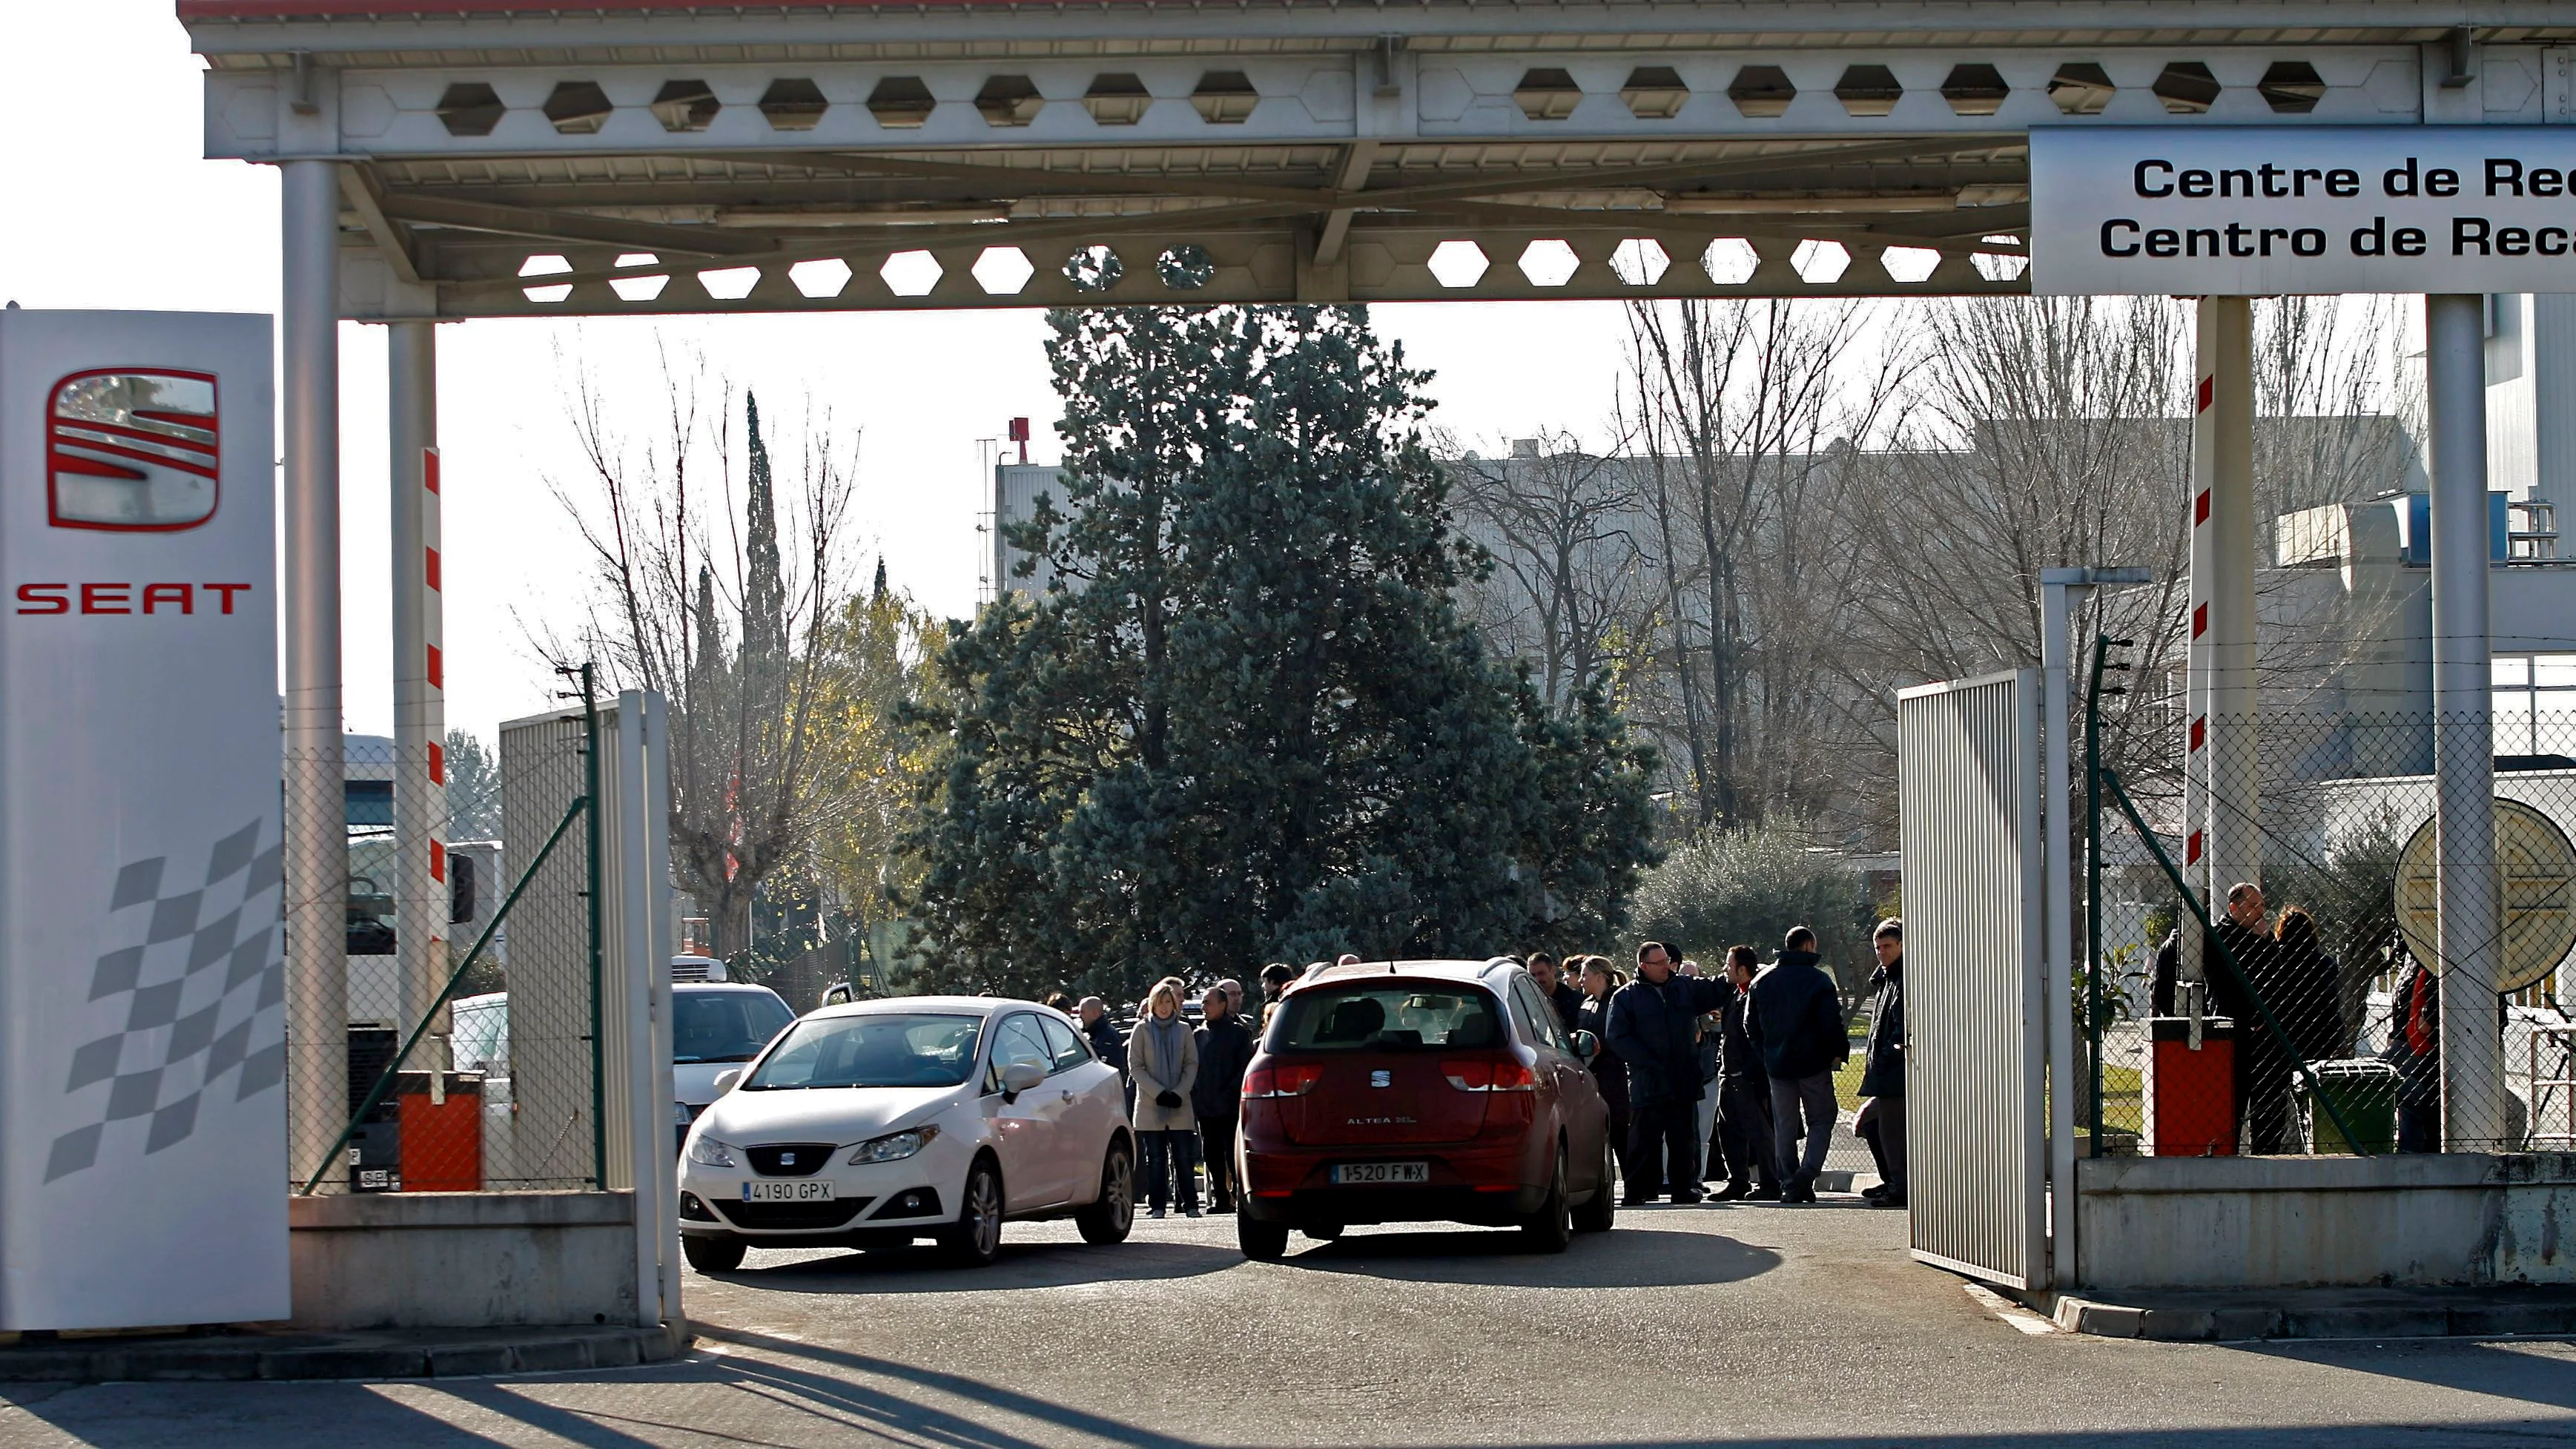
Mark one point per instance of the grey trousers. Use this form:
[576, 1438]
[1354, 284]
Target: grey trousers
[1815, 1097]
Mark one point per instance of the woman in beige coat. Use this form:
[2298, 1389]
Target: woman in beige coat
[1163, 1061]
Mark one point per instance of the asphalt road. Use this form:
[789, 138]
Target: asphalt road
[1687, 1325]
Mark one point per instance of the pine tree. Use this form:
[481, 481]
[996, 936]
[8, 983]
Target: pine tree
[1249, 723]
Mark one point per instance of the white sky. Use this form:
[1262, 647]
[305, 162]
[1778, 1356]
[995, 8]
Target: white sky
[111, 206]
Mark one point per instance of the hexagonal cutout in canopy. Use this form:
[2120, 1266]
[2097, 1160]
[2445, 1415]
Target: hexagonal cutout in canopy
[578, 108]
[1549, 263]
[1869, 90]
[793, 104]
[1002, 271]
[1639, 261]
[1654, 93]
[1458, 264]
[1762, 92]
[901, 103]
[1547, 93]
[684, 106]
[911, 274]
[470, 108]
[1225, 98]
[1008, 100]
[1117, 99]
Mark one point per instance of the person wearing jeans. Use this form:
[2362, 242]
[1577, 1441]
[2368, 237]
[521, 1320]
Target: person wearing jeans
[1796, 1021]
[1163, 1061]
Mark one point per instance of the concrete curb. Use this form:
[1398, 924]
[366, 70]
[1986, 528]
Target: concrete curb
[257, 1354]
[2428, 1314]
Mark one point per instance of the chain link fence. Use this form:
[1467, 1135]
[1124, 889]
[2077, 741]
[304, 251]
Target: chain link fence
[473, 971]
[2272, 979]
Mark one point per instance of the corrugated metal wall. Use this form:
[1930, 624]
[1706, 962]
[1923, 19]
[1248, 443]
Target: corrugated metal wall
[1968, 808]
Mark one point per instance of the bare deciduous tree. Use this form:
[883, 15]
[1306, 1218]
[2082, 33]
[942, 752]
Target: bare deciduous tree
[719, 604]
[1570, 582]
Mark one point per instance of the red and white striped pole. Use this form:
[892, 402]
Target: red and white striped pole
[420, 676]
[2222, 777]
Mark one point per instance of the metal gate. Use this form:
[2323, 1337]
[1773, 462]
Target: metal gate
[1968, 816]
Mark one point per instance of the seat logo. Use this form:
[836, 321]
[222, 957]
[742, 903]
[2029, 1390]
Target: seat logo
[1381, 1079]
[787, 1159]
[131, 450]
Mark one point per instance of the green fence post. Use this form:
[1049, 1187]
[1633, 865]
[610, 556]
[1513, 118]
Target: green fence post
[590, 893]
[385, 1080]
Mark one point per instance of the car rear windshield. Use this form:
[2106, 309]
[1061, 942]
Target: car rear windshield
[1395, 1016]
[724, 1026]
[886, 1049]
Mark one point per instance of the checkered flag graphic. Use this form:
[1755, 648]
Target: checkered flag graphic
[198, 998]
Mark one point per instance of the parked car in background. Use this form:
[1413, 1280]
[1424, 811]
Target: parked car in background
[1419, 1091]
[878, 1122]
[716, 1026]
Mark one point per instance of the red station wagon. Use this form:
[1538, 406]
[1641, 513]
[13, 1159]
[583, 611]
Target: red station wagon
[1422, 1091]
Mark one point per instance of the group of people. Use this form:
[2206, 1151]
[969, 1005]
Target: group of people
[1736, 1071]
[1701, 1073]
[2283, 1001]
[1184, 1085]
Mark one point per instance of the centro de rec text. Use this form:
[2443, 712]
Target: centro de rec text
[2155, 179]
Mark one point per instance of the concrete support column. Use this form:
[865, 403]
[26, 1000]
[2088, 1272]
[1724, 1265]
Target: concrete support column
[2463, 733]
[316, 837]
[2222, 773]
[420, 696]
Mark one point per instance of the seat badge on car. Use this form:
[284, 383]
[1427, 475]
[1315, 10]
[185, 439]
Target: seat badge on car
[787, 1159]
[1381, 1079]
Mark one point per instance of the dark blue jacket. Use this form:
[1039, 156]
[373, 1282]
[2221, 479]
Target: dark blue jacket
[1796, 1020]
[1107, 1043]
[1652, 1028]
[1225, 1050]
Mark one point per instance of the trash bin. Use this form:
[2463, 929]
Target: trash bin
[2364, 1092]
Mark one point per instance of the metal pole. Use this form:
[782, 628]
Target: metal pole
[2463, 732]
[590, 899]
[2235, 770]
[2058, 909]
[420, 703]
[316, 831]
[2093, 876]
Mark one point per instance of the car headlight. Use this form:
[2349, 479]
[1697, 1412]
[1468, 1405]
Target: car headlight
[679, 1114]
[893, 1147]
[708, 1152]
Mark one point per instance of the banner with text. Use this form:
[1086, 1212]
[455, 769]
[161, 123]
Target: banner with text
[2156, 210]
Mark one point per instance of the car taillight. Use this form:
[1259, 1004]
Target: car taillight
[1288, 1079]
[1489, 1074]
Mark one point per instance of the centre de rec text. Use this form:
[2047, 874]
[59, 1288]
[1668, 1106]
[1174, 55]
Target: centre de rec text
[2156, 179]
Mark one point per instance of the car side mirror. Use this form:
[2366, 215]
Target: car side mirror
[725, 1080]
[1021, 1075]
[1586, 1045]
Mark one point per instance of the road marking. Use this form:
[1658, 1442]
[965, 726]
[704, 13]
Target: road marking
[2007, 1310]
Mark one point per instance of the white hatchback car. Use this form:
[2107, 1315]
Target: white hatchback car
[877, 1122]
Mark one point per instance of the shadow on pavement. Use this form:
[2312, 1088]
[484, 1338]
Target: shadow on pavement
[2470, 1365]
[921, 1269]
[833, 1385]
[1626, 1257]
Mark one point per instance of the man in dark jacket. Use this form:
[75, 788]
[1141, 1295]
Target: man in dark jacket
[1654, 1024]
[1559, 992]
[1743, 1092]
[1796, 1021]
[2263, 1061]
[1882, 1076]
[1216, 1095]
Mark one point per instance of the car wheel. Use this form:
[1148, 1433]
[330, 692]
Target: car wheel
[1113, 1213]
[712, 1255]
[1551, 1228]
[1262, 1242]
[976, 1240]
[1597, 1215]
